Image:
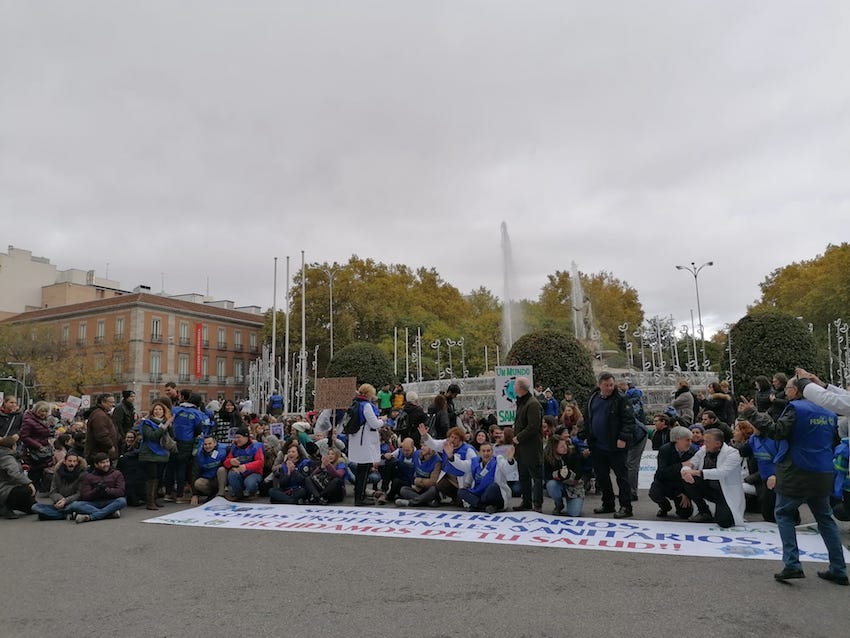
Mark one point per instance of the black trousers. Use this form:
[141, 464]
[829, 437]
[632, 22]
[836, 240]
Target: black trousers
[662, 492]
[606, 461]
[531, 483]
[21, 499]
[701, 491]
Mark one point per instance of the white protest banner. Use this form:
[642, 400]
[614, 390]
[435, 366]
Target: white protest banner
[85, 401]
[648, 465]
[757, 540]
[505, 395]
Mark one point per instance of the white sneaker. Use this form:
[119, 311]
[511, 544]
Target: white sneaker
[402, 502]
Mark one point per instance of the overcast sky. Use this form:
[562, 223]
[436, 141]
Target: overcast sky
[202, 139]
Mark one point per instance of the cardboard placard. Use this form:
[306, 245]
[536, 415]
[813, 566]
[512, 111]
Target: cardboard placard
[334, 393]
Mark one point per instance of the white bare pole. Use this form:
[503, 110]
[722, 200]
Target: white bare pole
[395, 351]
[486, 361]
[419, 353]
[286, 384]
[406, 356]
[303, 335]
[274, 326]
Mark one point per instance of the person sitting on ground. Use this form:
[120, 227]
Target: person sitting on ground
[17, 491]
[37, 450]
[667, 483]
[503, 444]
[489, 490]
[271, 448]
[101, 492]
[209, 478]
[291, 470]
[571, 417]
[244, 465]
[64, 490]
[714, 474]
[326, 484]
[401, 462]
[427, 467]
[456, 467]
[562, 471]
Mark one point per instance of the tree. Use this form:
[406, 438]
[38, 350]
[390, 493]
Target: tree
[559, 362]
[614, 302]
[365, 361]
[766, 343]
[818, 290]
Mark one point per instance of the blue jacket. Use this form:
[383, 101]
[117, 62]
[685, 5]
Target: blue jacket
[767, 453]
[406, 465]
[465, 451]
[840, 467]
[482, 477]
[812, 436]
[189, 422]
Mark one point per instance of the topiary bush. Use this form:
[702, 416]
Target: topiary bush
[767, 343]
[365, 361]
[560, 363]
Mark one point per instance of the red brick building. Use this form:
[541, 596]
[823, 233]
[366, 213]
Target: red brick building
[148, 340]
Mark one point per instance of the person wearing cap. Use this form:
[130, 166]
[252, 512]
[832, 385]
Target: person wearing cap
[567, 400]
[697, 434]
[551, 407]
[17, 491]
[244, 465]
[101, 492]
[124, 414]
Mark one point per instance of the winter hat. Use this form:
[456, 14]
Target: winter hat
[697, 427]
[9, 441]
[100, 456]
[243, 431]
[301, 426]
[213, 406]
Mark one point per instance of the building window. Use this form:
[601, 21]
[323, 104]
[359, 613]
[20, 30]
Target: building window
[156, 366]
[219, 396]
[252, 342]
[118, 365]
[205, 334]
[184, 334]
[237, 340]
[183, 368]
[66, 334]
[81, 334]
[119, 328]
[205, 369]
[222, 339]
[156, 330]
[239, 370]
[153, 395]
[99, 361]
[100, 331]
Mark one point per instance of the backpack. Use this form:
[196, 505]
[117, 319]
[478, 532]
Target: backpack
[402, 423]
[353, 419]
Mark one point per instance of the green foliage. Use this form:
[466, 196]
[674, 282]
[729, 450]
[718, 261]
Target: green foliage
[559, 361]
[817, 289]
[365, 361]
[769, 342]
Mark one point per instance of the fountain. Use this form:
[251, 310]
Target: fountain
[513, 326]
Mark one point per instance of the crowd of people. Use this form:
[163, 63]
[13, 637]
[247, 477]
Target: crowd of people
[392, 450]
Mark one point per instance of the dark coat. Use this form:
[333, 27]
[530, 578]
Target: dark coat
[124, 417]
[621, 419]
[670, 463]
[101, 435]
[527, 425]
[102, 486]
[10, 423]
[35, 434]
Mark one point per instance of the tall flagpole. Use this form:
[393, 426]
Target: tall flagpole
[274, 328]
[286, 388]
[303, 335]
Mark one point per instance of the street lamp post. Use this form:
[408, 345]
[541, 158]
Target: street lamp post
[694, 270]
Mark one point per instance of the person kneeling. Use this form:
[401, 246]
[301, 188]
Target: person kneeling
[210, 477]
[668, 483]
[714, 474]
[101, 492]
[562, 470]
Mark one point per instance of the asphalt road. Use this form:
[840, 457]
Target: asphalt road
[120, 577]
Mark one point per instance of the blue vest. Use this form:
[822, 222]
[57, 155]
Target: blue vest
[423, 468]
[189, 422]
[483, 476]
[208, 464]
[276, 402]
[406, 465]
[245, 454]
[811, 437]
[767, 453]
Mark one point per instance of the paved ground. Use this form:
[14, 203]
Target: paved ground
[119, 577]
